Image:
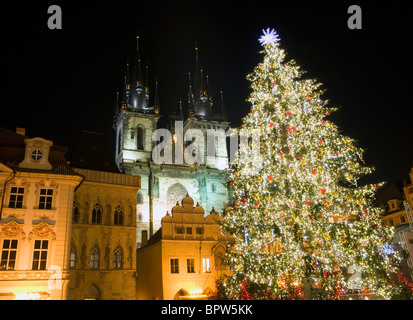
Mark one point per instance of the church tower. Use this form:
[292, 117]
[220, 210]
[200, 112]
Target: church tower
[162, 185]
[201, 116]
[135, 122]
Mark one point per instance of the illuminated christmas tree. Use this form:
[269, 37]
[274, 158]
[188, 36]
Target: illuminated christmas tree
[302, 220]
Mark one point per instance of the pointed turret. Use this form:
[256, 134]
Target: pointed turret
[223, 109]
[117, 106]
[138, 98]
[181, 112]
[156, 102]
[191, 98]
[201, 103]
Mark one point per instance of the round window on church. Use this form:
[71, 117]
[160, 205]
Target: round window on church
[37, 154]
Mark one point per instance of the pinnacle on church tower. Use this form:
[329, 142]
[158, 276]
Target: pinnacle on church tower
[138, 98]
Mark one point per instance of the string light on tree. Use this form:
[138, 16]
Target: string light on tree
[302, 217]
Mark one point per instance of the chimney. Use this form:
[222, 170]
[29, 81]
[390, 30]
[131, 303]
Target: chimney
[144, 240]
[21, 131]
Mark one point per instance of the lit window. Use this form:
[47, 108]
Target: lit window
[45, 200]
[188, 230]
[40, 254]
[16, 197]
[8, 255]
[174, 265]
[118, 258]
[94, 258]
[199, 230]
[179, 230]
[72, 260]
[206, 265]
[190, 265]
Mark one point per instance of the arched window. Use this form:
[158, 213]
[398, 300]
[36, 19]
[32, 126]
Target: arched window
[118, 215]
[94, 258]
[75, 212]
[97, 213]
[119, 141]
[72, 260]
[118, 258]
[139, 198]
[140, 137]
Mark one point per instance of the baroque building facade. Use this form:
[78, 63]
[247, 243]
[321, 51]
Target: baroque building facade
[168, 181]
[183, 260]
[37, 187]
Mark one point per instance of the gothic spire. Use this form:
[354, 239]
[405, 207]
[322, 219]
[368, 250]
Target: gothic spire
[223, 109]
[138, 95]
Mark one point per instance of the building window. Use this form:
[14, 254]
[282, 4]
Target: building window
[391, 222]
[179, 230]
[46, 198]
[190, 265]
[139, 198]
[16, 197]
[72, 260]
[94, 258]
[40, 254]
[213, 188]
[118, 216]
[97, 213]
[188, 230]
[141, 138]
[199, 230]
[206, 267]
[402, 219]
[8, 255]
[37, 154]
[118, 258]
[75, 214]
[174, 265]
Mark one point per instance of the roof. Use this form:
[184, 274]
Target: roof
[392, 190]
[12, 151]
[157, 237]
[92, 151]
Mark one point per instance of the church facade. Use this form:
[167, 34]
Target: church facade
[165, 183]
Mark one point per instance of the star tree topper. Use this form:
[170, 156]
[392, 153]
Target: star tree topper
[269, 37]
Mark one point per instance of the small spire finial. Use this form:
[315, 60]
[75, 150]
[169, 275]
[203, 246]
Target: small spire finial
[196, 51]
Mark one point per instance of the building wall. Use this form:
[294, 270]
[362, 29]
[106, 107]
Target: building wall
[30, 224]
[104, 281]
[202, 242]
[149, 273]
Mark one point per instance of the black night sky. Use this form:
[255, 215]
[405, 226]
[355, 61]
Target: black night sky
[61, 81]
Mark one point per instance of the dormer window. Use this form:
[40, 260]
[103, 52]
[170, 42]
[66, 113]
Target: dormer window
[37, 154]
